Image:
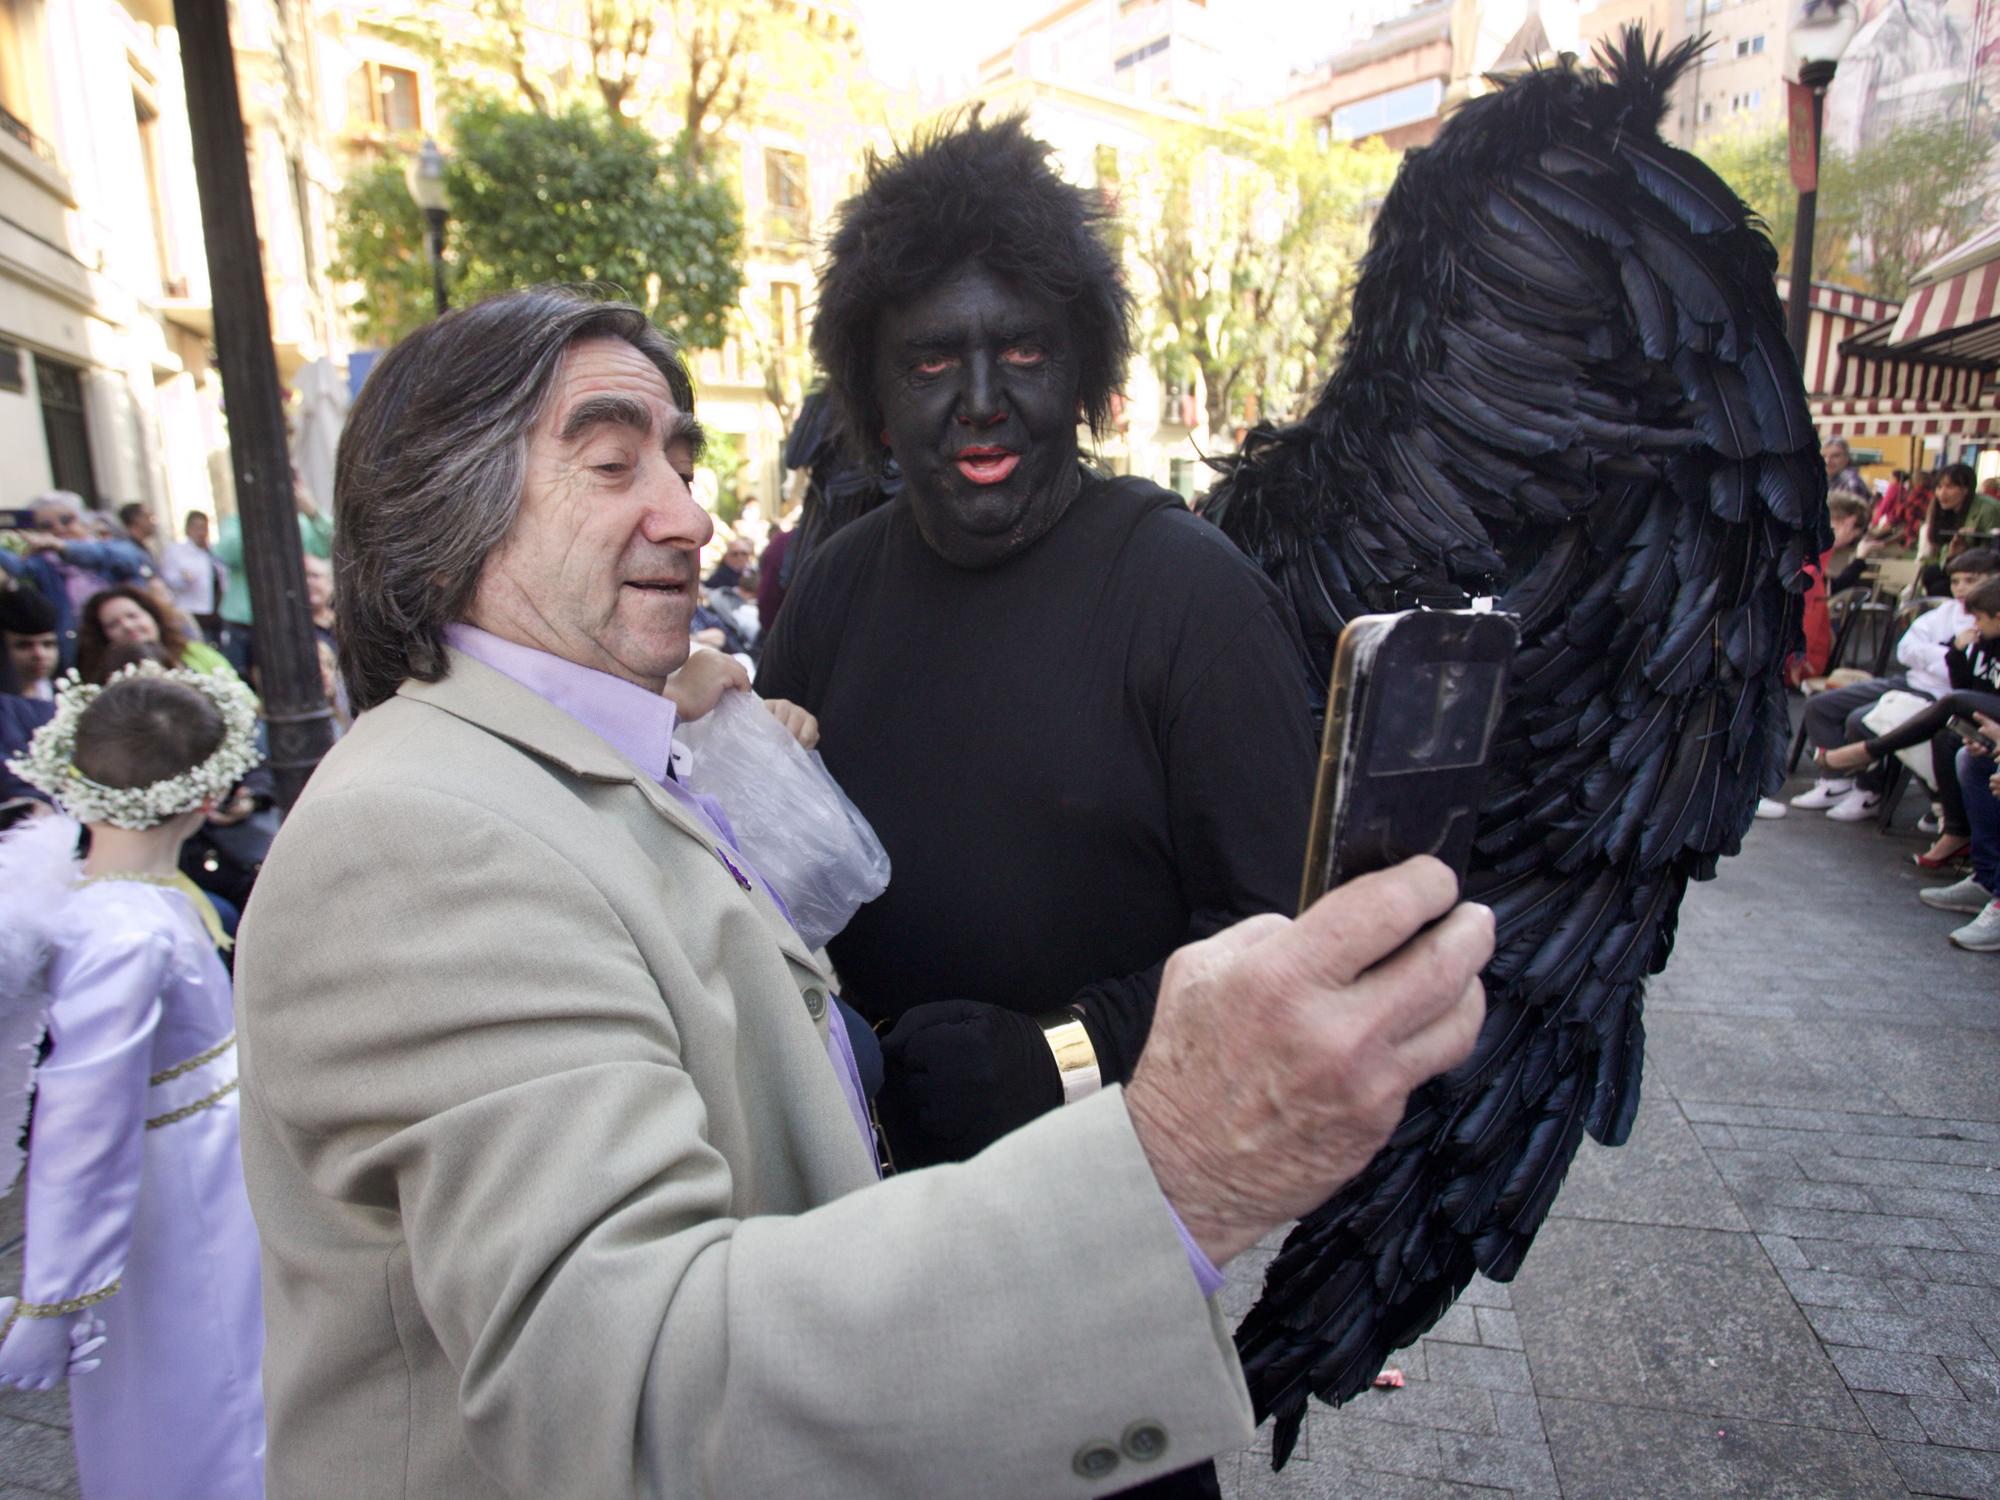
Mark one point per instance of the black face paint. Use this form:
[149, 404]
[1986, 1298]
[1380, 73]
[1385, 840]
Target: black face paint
[977, 381]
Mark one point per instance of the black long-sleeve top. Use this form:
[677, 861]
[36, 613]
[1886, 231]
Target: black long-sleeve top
[1078, 760]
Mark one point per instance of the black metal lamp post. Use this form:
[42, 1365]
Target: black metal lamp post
[1821, 30]
[427, 187]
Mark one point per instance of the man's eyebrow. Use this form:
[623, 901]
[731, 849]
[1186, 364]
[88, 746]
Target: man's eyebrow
[685, 429]
[606, 411]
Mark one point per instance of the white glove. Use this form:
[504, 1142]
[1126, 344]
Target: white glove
[39, 1353]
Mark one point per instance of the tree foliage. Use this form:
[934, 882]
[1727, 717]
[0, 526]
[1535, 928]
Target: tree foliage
[1250, 233]
[1882, 213]
[578, 195]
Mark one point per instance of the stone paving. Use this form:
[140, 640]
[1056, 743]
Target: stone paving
[1786, 1285]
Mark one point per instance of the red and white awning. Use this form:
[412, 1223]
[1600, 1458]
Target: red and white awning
[1953, 310]
[1891, 417]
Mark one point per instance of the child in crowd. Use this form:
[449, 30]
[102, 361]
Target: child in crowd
[1834, 719]
[140, 1272]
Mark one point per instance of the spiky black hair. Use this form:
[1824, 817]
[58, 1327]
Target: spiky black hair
[967, 191]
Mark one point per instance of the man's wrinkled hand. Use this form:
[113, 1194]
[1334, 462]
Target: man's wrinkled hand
[1283, 1052]
[957, 1075]
[802, 726]
[702, 680]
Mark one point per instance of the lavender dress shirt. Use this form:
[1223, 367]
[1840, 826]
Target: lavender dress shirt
[640, 726]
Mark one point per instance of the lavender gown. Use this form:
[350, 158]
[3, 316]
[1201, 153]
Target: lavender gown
[135, 1178]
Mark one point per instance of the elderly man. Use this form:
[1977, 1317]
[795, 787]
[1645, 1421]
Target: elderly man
[562, 1176]
[1841, 475]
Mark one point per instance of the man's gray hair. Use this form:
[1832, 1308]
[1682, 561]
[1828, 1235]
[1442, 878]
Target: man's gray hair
[69, 502]
[429, 475]
[1837, 442]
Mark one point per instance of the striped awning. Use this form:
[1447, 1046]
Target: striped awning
[1953, 310]
[1891, 417]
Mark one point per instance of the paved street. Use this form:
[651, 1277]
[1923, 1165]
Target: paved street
[1787, 1285]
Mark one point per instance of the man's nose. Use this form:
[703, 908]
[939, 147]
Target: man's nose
[982, 404]
[673, 516]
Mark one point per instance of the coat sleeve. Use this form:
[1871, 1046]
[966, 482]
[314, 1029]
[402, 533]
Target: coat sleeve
[87, 1149]
[493, 1066]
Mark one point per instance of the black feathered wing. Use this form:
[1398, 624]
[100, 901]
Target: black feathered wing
[1566, 386]
[840, 489]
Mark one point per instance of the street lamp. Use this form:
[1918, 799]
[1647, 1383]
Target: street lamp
[427, 187]
[1821, 30]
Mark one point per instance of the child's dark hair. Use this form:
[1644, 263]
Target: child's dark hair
[969, 191]
[146, 729]
[1974, 560]
[1985, 600]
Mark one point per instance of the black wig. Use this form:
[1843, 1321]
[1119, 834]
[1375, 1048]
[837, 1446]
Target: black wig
[969, 191]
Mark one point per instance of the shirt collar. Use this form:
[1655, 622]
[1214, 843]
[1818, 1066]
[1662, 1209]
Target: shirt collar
[637, 724]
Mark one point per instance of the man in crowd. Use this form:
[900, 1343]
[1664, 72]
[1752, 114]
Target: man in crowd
[196, 577]
[1075, 715]
[315, 536]
[137, 518]
[563, 1179]
[1841, 475]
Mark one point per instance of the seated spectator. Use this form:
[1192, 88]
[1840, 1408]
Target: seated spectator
[319, 596]
[130, 617]
[1979, 786]
[1972, 662]
[736, 557]
[1953, 508]
[1834, 719]
[1841, 475]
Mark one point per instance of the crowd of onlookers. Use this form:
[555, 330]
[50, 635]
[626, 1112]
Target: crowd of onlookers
[1934, 721]
[91, 592]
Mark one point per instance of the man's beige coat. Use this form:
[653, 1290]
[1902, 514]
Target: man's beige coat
[560, 1197]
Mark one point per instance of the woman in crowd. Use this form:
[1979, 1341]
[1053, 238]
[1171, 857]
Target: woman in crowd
[1954, 509]
[125, 616]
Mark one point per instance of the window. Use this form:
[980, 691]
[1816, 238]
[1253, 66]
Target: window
[1403, 106]
[148, 119]
[787, 326]
[1138, 55]
[1749, 46]
[383, 98]
[60, 387]
[788, 208]
[21, 76]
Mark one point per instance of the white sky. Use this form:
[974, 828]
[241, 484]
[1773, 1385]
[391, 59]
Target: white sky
[924, 42]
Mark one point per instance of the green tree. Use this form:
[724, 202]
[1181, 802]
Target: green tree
[577, 195]
[1899, 202]
[1250, 233]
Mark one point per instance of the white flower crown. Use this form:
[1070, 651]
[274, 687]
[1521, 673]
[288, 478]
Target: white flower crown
[49, 762]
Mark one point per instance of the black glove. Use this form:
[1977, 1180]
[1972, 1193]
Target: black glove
[958, 1075]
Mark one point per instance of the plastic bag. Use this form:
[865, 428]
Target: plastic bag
[790, 817]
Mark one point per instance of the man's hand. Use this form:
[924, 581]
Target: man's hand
[1988, 742]
[702, 680]
[39, 1353]
[803, 726]
[1282, 1052]
[957, 1075]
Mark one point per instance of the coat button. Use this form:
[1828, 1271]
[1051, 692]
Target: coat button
[1144, 1441]
[815, 1003]
[1095, 1460]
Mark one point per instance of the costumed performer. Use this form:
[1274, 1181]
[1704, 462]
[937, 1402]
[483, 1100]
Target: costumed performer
[137, 1221]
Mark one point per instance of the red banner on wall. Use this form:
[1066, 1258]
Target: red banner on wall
[1804, 149]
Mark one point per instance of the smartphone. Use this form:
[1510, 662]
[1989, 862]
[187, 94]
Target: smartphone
[1965, 729]
[1412, 708]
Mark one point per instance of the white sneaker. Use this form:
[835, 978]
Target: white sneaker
[1824, 793]
[1968, 895]
[1931, 822]
[1857, 806]
[1982, 933]
[1771, 807]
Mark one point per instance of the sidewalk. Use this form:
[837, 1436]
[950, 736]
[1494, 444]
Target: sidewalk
[1788, 1283]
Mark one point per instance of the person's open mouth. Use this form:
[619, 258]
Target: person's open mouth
[668, 586]
[986, 465]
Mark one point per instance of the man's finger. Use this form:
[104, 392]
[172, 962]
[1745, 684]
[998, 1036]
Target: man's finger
[1350, 930]
[1448, 1040]
[1418, 985]
[1249, 932]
